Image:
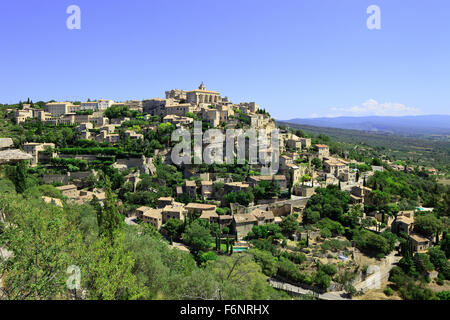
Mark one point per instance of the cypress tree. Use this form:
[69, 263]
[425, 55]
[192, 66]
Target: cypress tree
[108, 217]
[19, 176]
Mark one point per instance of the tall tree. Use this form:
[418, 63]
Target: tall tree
[108, 216]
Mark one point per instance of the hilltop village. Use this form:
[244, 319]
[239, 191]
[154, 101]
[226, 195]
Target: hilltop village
[325, 222]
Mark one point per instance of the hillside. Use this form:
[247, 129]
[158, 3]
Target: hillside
[420, 150]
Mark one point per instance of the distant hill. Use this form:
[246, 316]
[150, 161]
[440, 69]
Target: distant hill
[408, 125]
[434, 151]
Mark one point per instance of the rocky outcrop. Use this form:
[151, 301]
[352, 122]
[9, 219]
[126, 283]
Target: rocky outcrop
[8, 155]
[6, 143]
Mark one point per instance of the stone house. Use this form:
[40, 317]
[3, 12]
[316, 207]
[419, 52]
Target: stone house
[322, 150]
[225, 220]
[235, 186]
[404, 222]
[165, 201]
[190, 188]
[154, 217]
[335, 166]
[263, 217]
[70, 191]
[242, 224]
[207, 189]
[197, 209]
[360, 194]
[210, 215]
[175, 211]
[303, 191]
[306, 142]
[280, 179]
[419, 243]
[34, 148]
[140, 211]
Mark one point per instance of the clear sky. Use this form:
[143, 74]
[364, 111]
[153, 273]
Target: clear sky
[299, 58]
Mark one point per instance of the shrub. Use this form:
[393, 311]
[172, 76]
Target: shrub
[388, 291]
[329, 269]
[443, 295]
[325, 233]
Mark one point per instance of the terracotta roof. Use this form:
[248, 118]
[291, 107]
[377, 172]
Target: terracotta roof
[10, 156]
[237, 184]
[418, 238]
[171, 208]
[405, 219]
[153, 213]
[336, 161]
[201, 206]
[190, 183]
[165, 199]
[268, 178]
[67, 187]
[207, 214]
[268, 215]
[143, 208]
[6, 143]
[258, 213]
[243, 218]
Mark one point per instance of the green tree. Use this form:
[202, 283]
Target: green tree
[197, 237]
[317, 164]
[110, 271]
[289, 224]
[266, 260]
[108, 217]
[174, 228]
[428, 225]
[18, 174]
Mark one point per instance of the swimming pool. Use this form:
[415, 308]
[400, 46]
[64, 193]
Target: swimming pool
[239, 249]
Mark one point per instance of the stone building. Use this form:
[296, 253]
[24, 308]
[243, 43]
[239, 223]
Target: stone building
[419, 243]
[34, 148]
[174, 211]
[404, 222]
[201, 95]
[8, 155]
[306, 142]
[280, 179]
[176, 94]
[154, 217]
[57, 109]
[197, 209]
[242, 224]
[335, 166]
[323, 150]
[210, 215]
[70, 191]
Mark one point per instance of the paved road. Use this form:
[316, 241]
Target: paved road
[294, 289]
[180, 246]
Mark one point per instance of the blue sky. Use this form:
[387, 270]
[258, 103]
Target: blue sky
[301, 58]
